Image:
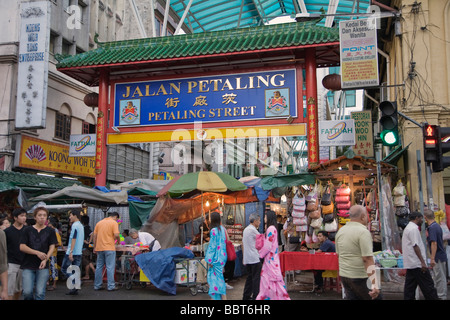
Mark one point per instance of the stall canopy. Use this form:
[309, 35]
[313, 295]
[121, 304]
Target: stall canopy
[291, 180]
[86, 194]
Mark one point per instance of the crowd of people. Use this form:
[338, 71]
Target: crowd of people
[28, 255]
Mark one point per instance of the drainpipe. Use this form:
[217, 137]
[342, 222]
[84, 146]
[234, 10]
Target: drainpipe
[388, 64]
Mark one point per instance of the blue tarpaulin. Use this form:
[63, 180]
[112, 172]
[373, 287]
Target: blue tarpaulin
[159, 266]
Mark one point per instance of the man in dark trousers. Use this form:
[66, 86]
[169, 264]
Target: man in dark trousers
[251, 258]
[414, 255]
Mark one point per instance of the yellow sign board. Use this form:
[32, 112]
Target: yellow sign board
[208, 134]
[53, 157]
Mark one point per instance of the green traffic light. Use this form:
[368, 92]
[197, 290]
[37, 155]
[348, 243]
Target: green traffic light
[389, 138]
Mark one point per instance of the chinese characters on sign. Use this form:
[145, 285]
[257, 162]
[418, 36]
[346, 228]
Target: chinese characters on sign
[358, 53]
[33, 64]
[234, 97]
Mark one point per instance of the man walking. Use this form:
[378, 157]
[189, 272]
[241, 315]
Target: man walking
[355, 252]
[106, 232]
[15, 256]
[438, 255]
[74, 250]
[414, 256]
[251, 258]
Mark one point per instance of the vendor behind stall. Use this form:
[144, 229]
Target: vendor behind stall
[197, 238]
[146, 239]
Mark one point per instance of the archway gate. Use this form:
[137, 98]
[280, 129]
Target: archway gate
[164, 85]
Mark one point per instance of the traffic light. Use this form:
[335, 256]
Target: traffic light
[443, 147]
[389, 123]
[431, 143]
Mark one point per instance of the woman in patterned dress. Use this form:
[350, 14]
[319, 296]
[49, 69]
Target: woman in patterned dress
[216, 257]
[272, 285]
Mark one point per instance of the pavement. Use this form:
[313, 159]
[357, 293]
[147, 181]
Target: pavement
[299, 288]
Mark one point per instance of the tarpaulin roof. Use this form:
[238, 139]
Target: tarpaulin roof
[291, 180]
[85, 193]
[202, 16]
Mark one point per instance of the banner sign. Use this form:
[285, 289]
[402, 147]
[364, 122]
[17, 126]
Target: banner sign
[337, 133]
[363, 133]
[358, 54]
[82, 145]
[232, 97]
[32, 79]
[54, 157]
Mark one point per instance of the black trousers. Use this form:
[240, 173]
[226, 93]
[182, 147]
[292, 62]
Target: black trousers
[357, 289]
[416, 277]
[251, 287]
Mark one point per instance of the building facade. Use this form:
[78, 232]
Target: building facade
[415, 65]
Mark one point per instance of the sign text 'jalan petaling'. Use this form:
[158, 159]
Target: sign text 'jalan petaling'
[237, 97]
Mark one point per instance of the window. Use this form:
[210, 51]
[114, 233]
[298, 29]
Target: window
[66, 47]
[88, 128]
[62, 126]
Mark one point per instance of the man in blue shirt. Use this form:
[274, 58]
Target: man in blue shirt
[74, 252]
[438, 255]
[326, 245]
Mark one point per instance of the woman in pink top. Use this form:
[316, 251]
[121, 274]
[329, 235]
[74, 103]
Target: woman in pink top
[272, 285]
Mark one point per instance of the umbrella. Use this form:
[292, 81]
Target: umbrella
[206, 181]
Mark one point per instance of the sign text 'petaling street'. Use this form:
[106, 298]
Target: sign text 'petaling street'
[232, 97]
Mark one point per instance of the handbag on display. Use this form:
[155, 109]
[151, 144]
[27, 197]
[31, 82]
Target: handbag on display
[343, 205]
[343, 221]
[331, 226]
[328, 218]
[314, 214]
[298, 207]
[399, 201]
[300, 221]
[343, 213]
[343, 190]
[298, 200]
[316, 223]
[326, 197]
[312, 205]
[298, 214]
[342, 199]
[328, 209]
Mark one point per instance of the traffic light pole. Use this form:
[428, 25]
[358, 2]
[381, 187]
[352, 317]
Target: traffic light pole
[427, 172]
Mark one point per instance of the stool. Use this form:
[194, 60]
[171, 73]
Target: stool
[331, 280]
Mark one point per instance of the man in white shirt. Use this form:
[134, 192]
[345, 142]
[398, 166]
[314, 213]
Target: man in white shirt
[251, 258]
[414, 255]
[146, 238]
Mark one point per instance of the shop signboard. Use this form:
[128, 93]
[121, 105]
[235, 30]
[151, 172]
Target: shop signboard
[32, 78]
[363, 133]
[222, 98]
[51, 157]
[82, 145]
[358, 53]
[337, 133]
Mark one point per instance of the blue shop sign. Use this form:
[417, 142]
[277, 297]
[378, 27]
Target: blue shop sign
[232, 97]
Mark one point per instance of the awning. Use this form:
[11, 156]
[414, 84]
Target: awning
[393, 157]
[269, 183]
[11, 179]
[86, 194]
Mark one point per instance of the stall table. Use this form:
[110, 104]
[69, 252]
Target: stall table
[290, 261]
